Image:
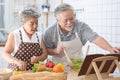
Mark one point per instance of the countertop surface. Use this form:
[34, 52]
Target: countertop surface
[72, 75]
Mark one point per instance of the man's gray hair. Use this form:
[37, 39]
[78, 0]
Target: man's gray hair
[29, 12]
[61, 8]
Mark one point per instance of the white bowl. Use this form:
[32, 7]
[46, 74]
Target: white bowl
[5, 73]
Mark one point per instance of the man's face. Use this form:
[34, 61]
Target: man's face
[66, 20]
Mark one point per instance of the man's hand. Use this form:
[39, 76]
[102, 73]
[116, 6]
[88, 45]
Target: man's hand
[115, 50]
[60, 48]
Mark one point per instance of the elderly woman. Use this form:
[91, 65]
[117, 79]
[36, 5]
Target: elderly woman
[24, 46]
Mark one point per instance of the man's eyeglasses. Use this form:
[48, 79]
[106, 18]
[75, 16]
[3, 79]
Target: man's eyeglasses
[66, 20]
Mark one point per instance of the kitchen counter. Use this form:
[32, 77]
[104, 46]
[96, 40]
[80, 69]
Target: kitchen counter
[72, 75]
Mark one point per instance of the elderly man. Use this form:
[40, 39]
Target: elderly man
[70, 35]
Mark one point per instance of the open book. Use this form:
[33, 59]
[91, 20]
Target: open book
[89, 59]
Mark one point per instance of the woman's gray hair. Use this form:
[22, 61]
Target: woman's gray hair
[61, 8]
[29, 12]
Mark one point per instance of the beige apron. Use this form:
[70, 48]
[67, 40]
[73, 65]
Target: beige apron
[25, 52]
[73, 48]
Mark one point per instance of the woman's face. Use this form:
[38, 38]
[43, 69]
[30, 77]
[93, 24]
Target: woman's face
[66, 20]
[31, 25]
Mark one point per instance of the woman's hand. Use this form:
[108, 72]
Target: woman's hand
[22, 65]
[34, 59]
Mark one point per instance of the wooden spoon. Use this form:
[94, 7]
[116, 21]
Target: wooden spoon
[68, 59]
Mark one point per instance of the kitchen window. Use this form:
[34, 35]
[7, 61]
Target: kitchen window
[2, 14]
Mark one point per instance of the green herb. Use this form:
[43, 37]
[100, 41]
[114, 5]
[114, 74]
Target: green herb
[35, 67]
[77, 64]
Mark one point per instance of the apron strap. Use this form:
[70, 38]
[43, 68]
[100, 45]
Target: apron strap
[59, 38]
[76, 34]
[20, 36]
[38, 39]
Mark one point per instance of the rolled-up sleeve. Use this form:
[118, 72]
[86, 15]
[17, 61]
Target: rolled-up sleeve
[47, 39]
[88, 34]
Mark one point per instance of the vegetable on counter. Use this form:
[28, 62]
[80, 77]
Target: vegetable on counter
[49, 66]
[36, 65]
[17, 72]
[77, 64]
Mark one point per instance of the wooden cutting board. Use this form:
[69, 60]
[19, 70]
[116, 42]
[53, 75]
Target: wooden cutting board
[40, 76]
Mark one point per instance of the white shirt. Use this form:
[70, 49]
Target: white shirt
[24, 37]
